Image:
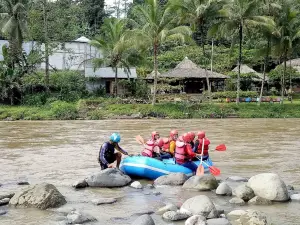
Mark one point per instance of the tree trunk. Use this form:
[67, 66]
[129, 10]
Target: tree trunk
[290, 73]
[239, 66]
[283, 78]
[46, 46]
[264, 73]
[155, 47]
[116, 82]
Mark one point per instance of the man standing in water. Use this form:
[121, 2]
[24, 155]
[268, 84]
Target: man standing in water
[107, 155]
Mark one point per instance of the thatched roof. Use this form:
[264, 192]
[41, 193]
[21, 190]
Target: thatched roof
[151, 75]
[246, 69]
[295, 64]
[187, 69]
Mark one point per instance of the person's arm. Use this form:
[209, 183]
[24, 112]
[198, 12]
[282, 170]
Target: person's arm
[121, 149]
[190, 151]
[103, 149]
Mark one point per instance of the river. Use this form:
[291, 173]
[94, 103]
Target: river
[61, 152]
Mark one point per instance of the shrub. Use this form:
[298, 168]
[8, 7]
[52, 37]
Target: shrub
[63, 110]
[232, 94]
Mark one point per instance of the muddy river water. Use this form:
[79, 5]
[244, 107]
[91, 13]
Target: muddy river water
[61, 152]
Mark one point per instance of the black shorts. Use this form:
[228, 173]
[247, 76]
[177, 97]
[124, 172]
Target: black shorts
[109, 159]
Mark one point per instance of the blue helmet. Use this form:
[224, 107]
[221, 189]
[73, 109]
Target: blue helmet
[115, 137]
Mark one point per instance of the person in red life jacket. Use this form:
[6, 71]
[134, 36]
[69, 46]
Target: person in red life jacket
[153, 146]
[202, 140]
[107, 154]
[170, 144]
[184, 153]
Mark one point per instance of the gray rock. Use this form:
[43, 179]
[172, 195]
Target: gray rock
[290, 188]
[237, 179]
[168, 207]
[200, 205]
[2, 212]
[235, 214]
[6, 195]
[244, 192]
[237, 201]
[42, 196]
[224, 189]
[259, 201]
[156, 193]
[252, 217]
[175, 215]
[80, 184]
[137, 185]
[171, 179]
[201, 183]
[295, 197]
[4, 201]
[22, 182]
[76, 217]
[218, 221]
[196, 220]
[144, 220]
[108, 178]
[101, 201]
[149, 186]
[269, 186]
[0, 184]
[143, 213]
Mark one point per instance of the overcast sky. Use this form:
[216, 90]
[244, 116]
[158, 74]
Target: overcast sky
[110, 2]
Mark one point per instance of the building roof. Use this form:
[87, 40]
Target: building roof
[188, 69]
[246, 69]
[295, 64]
[107, 72]
[82, 39]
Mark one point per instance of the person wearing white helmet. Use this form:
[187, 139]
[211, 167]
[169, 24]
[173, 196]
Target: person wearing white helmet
[107, 155]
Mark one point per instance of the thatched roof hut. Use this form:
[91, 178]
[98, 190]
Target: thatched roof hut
[187, 69]
[246, 69]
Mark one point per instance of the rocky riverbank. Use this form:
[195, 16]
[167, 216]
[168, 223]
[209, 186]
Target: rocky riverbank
[262, 189]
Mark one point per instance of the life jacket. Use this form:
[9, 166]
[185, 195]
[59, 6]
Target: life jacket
[109, 151]
[166, 146]
[180, 152]
[149, 148]
[206, 146]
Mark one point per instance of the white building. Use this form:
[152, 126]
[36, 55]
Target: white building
[78, 55]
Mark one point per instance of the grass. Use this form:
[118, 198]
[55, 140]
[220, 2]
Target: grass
[102, 108]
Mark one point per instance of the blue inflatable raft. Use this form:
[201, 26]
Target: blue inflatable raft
[145, 167]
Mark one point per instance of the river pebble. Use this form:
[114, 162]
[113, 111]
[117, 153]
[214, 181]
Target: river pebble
[6, 195]
[237, 201]
[101, 201]
[224, 189]
[168, 207]
[218, 221]
[77, 217]
[259, 201]
[175, 215]
[237, 179]
[144, 220]
[4, 201]
[137, 185]
[244, 192]
[196, 220]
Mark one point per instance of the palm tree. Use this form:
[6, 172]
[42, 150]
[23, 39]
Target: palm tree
[198, 14]
[269, 8]
[13, 24]
[286, 36]
[117, 50]
[237, 16]
[153, 24]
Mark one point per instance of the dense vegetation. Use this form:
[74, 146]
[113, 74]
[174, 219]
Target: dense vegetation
[152, 35]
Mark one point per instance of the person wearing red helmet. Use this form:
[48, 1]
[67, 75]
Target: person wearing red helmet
[202, 140]
[192, 138]
[153, 146]
[184, 153]
[170, 143]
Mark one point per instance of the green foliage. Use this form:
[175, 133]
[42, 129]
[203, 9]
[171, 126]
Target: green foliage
[63, 111]
[276, 74]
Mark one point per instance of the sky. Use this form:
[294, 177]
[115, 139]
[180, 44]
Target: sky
[110, 2]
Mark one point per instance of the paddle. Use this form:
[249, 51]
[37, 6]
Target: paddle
[200, 169]
[140, 139]
[214, 170]
[221, 148]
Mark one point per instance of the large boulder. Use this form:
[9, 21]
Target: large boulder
[244, 192]
[171, 179]
[224, 189]
[200, 205]
[253, 217]
[108, 178]
[42, 196]
[196, 220]
[269, 186]
[144, 220]
[201, 183]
